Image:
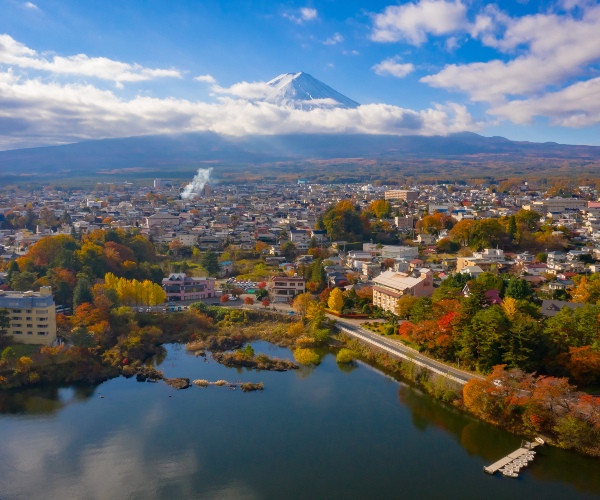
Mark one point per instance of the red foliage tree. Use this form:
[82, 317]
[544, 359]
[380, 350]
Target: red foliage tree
[224, 298]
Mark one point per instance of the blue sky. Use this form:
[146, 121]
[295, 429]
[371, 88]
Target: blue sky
[76, 70]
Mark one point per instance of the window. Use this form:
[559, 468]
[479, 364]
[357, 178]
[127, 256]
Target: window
[29, 333]
[29, 325]
[28, 311]
[28, 318]
[42, 333]
[17, 332]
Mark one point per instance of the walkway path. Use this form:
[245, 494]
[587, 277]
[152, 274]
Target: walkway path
[403, 351]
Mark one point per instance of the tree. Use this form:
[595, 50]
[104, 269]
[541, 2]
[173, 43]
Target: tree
[344, 222]
[463, 231]
[336, 300]
[209, 261]
[380, 208]
[289, 250]
[249, 301]
[301, 303]
[224, 298]
[83, 291]
[404, 306]
[266, 303]
[7, 355]
[519, 289]
[23, 281]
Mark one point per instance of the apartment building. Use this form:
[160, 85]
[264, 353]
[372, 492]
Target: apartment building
[390, 286]
[32, 316]
[284, 288]
[402, 195]
[180, 287]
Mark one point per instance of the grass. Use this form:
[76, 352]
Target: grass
[25, 349]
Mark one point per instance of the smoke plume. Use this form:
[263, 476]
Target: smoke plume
[195, 187]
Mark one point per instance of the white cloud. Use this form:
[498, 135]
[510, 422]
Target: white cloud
[412, 22]
[554, 49]
[333, 40]
[392, 67]
[577, 105]
[206, 79]
[35, 112]
[13, 53]
[302, 15]
[245, 90]
[31, 5]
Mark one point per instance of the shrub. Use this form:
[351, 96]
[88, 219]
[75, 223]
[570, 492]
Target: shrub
[345, 356]
[306, 356]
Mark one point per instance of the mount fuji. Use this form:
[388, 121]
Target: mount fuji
[302, 91]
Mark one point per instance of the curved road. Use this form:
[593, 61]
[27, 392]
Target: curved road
[403, 351]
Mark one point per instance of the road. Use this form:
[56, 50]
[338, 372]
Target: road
[395, 348]
[402, 351]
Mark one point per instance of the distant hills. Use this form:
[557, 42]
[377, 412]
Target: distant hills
[163, 155]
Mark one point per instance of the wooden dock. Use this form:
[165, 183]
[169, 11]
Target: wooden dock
[525, 447]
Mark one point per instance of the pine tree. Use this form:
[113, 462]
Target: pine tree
[82, 292]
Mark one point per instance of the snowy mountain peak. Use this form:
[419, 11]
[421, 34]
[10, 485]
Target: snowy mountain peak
[302, 91]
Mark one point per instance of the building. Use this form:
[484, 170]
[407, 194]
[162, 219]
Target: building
[162, 183]
[390, 286]
[32, 316]
[551, 308]
[285, 288]
[402, 195]
[491, 259]
[557, 205]
[404, 223]
[180, 287]
[399, 252]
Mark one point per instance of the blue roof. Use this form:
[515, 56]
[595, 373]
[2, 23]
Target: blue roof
[225, 263]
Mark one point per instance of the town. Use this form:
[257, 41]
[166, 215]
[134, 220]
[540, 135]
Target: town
[483, 285]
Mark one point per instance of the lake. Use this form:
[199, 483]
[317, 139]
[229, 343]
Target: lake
[324, 432]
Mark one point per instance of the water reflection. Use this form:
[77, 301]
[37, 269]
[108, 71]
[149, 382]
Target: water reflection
[42, 400]
[341, 426]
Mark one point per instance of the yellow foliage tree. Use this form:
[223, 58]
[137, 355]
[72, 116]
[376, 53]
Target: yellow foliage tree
[301, 303]
[336, 300]
[134, 292]
[510, 307]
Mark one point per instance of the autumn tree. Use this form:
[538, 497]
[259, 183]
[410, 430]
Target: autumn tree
[336, 300]
[301, 303]
[380, 208]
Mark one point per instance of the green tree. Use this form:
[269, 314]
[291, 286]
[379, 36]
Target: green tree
[289, 251]
[210, 262]
[23, 281]
[83, 291]
[4, 325]
[422, 310]
[519, 289]
[8, 355]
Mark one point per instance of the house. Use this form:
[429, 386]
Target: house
[390, 286]
[179, 287]
[285, 288]
[551, 308]
[474, 271]
[32, 316]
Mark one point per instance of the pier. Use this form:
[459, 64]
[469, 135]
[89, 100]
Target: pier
[526, 447]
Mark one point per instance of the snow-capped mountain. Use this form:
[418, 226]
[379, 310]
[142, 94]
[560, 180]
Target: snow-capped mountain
[302, 91]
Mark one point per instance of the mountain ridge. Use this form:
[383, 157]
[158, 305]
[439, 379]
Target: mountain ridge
[195, 149]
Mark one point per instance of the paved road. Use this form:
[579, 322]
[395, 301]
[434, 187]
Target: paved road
[403, 351]
[393, 347]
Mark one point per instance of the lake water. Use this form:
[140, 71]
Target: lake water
[324, 432]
